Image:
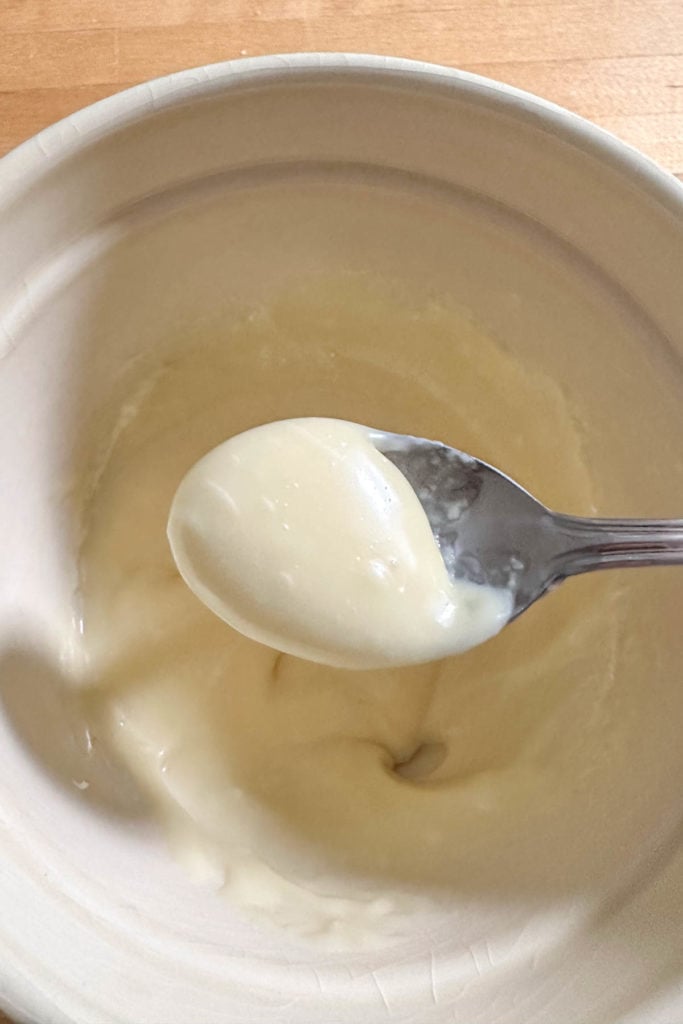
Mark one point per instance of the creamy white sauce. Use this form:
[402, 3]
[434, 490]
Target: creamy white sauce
[489, 792]
[302, 535]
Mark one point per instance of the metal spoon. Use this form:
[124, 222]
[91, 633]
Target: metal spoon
[490, 530]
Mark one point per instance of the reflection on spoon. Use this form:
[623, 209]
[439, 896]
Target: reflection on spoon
[492, 532]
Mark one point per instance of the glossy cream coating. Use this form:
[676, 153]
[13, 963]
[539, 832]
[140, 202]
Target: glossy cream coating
[302, 535]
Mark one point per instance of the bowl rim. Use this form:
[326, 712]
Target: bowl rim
[23, 165]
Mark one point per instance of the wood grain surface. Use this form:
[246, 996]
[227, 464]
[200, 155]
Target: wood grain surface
[617, 62]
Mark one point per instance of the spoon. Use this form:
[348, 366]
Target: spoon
[490, 530]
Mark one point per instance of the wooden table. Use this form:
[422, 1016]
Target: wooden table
[617, 62]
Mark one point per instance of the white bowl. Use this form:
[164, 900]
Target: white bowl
[97, 924]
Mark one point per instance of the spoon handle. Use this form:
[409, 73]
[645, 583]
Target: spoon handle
[590, 544]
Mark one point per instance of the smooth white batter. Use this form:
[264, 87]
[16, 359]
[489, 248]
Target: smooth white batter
[339, 803]
[303, 536]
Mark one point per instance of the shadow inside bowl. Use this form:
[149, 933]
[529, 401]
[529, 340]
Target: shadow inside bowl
[51, 722]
